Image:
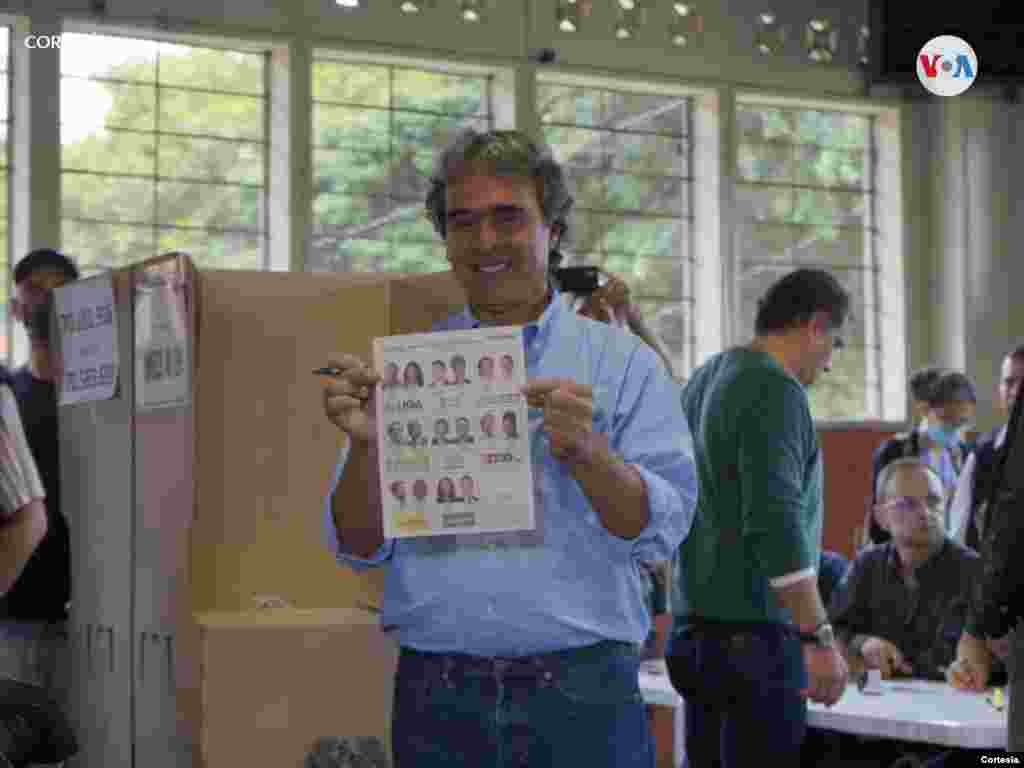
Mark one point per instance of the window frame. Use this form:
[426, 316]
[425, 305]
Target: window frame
[272, 142]
[887, 243]
[502, 94]
[703, 190]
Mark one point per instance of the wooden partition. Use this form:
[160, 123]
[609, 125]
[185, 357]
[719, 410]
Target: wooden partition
[847, 453]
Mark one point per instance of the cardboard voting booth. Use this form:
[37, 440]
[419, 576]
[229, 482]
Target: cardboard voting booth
[195, 494]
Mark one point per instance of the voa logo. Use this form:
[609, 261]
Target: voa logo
[947, 66]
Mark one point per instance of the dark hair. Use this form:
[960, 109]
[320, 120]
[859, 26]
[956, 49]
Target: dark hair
[922, 382]
[508, 153]
[44, 258]
[458, 359]
[794, 298]
[951, 387]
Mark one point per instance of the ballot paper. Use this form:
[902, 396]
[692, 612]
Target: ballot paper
[453, 433]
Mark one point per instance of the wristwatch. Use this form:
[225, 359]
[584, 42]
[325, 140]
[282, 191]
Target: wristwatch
[822, 636]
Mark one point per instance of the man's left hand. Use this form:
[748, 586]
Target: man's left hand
[568, 416]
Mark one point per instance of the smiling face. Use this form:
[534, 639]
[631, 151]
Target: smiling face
[497, 240]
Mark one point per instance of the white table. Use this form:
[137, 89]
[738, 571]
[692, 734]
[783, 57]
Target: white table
[916, 710]
[907, 710]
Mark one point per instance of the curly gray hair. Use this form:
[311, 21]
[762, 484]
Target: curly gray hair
[506, 153]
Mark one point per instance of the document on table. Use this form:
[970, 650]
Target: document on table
[453, 433]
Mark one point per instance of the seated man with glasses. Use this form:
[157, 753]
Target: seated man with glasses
[903, 603]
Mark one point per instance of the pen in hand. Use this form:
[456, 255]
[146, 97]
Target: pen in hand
[327, 371]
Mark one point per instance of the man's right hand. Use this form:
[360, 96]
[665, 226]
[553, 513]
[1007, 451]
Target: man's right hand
[973, 665]
[880, 654]
[827, 674]
[349, 400]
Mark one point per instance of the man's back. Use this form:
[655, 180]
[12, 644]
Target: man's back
[759, 475]
[44, 588]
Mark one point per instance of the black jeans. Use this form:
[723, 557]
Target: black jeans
[741, 685]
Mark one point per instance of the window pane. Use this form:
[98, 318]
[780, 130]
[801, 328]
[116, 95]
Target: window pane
[439, 92]
[112, 151]
[131, 106]
[92, 196]
[217, 206]
[375, 131]
[121, 58]
[794, 244]
[212, 250]
[211, 69]
[351, 128]
[211, 114]
[211, 159]
[106, 246]
[133, 109]
[361, 84]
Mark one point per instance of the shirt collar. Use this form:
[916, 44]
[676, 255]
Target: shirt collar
[541, 327]
[896, 565]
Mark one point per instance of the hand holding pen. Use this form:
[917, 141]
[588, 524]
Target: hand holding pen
[349, 396]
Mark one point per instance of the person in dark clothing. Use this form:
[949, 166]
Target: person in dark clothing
[963, 512]
[938, 440]
[34, 612]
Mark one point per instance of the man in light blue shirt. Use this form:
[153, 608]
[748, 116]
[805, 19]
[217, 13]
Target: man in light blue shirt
[522, 648]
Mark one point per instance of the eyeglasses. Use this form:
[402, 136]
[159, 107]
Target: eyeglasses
[506, 219]
[910, 503]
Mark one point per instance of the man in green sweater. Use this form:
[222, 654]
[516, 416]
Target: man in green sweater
[751, 640]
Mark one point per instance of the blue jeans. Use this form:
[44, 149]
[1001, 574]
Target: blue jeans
[741, 685]
[575, 707]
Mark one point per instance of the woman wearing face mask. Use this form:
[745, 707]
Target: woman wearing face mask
[938, 440]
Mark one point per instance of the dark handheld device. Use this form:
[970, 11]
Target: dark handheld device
[580, 280]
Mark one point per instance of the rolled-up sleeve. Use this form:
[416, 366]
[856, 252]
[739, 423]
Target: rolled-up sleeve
[331, 535]
[651, 433]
